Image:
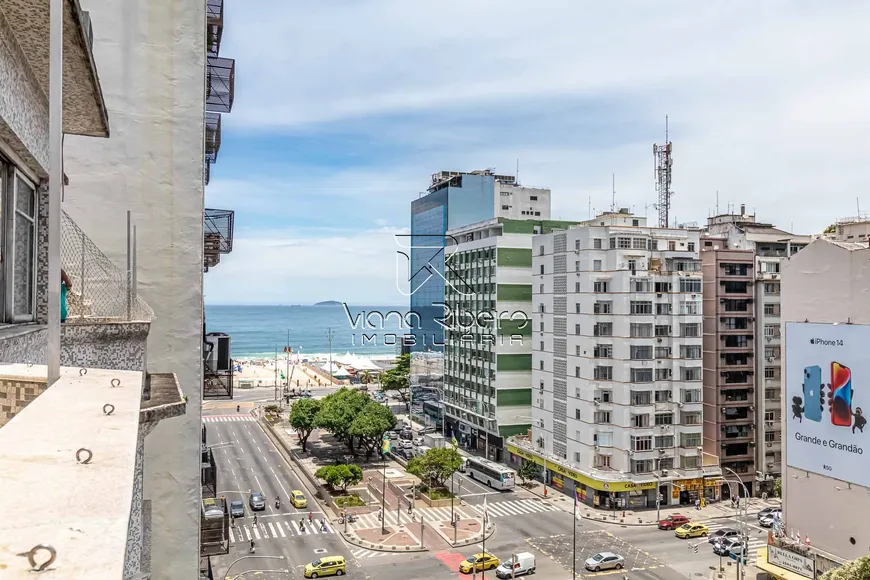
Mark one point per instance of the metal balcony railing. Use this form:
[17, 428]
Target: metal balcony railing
[220, 84]
[217, 384]
[217, 235]
[205, 570]
[214, 27]
[214, 537]
[100, 292]
[209, 475]
[212, 136]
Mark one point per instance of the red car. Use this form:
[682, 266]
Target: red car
[673, 522]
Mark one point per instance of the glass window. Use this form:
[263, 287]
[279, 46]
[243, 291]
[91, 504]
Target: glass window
[20, 269]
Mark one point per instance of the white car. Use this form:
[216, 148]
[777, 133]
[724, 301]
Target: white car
[418, 441]
[605, 561]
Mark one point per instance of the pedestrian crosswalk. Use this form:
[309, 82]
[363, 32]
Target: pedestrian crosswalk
[226, 418]
[514, 508]
[273, 528]
[756, 540]
[363, 553]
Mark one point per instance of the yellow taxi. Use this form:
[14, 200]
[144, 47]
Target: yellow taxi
[297, 498]
[691, 530]
[326, 566]
[478, 561]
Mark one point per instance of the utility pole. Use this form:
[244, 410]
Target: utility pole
[287, 351]
[276, 372]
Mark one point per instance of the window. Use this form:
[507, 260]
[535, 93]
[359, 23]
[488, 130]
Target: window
[541, 365]
[690, 440]
[664, 441]
[641, 330]
[541, 289]
[603, 329]
[542, 346]
[541, 251]
[638, 307]
[542, 269]
[663, 352]
[505, 207]
[601, 307]
[690, 373]
[577, 329]
[664, 419]
[663, 309]
[672, 246]
[542, 326]
[663, 396]
[690, 307]
[20, 257]
[596, 265]
[642, 466]
[640, 421]
[769, 416]
[642, 443]
[690, 285]
[771, 288]
[690, 246]
[663, 374]
[602, 416]
[690, 330]
[577, 265]
[769, 372]
[641, 397]
[604, 439]
[736, 269]
[771, 310]
[691, 418]
[638, 243]
[663, 330]
[641, 352]
[690, 351]
[641, 375]
[576, 244]
[603, 351]
[541, 308]
[769, 436]
[770, 267]
[600, 287]
[576, 286]
[604, 395]
[623, 243]
[690, 462]
[596, 243]
[640, 284]
[533, 198]
[602, 461]
[603, 373]
[662, 287]
[691, 395]
[771, 331]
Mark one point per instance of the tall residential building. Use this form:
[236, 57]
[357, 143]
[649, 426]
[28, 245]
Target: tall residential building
[616, 364]
[455, 199]
[488, 340]
[729, 358]
[772, 248]
[162, 80]
[825, 479]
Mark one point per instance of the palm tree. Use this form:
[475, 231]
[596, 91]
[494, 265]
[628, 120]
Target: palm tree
[365, 378]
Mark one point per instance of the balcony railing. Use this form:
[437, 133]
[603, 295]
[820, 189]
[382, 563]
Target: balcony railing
[214, 537]
[220, 84]
[217, 384]
[217, 235]
[214, 27]
[205, 570]
[212, 136]
[209, 475]
[100, 291]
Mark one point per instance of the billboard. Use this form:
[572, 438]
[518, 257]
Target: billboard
[827, 396]
[792, 561]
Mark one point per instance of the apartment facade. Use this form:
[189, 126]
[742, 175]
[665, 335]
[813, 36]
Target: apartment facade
[772, 247]
[729, 358]
[617, 364]
[488, 339]
[455, 199]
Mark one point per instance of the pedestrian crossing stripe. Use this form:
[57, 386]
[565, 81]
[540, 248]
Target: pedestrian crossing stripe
[275, 529]
[226, 418]
[514, 508]
[363, 553]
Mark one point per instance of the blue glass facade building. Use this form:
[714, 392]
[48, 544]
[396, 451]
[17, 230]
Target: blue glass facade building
[463, 200]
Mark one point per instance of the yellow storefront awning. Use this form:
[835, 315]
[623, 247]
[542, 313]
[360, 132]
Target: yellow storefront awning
[774, 571]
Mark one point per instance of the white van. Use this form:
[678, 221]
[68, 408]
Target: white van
[523, 563]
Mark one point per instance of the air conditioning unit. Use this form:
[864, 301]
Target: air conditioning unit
[596, 402]
[769, 444]
[771, 359]
[664, 472]
[597, 447]
[218, 357]
[630, 453]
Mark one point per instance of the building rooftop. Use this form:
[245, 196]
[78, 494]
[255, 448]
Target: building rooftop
[69, 464]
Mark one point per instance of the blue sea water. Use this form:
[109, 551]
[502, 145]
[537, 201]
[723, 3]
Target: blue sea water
[255, 331]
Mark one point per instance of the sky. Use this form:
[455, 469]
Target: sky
[343, 110]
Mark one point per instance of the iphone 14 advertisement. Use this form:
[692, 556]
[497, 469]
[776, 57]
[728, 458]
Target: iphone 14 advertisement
[813, 393]
[841, 395]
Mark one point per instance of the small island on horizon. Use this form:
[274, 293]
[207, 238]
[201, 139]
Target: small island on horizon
[328, 303]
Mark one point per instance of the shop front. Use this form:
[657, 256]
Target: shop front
[689, 491]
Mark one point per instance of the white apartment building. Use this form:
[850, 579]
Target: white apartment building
[772, 247]
[616, 364]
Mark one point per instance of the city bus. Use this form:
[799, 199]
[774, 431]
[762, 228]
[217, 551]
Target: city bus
[492, 474]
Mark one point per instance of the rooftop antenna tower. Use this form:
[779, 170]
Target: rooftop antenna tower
[664, 163]
[613, 193]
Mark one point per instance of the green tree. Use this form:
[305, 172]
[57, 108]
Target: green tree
[856, 570]
[436, 465]
[528, 470]
[365, 378]
[398, 378]
[340, 476]
[303, 416]
[338, 411]
[830, 229]
[370, 425]
[777, 487]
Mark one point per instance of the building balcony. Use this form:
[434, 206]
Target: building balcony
[79, 443]
[212, 136]
[214, 26]
[220, 84]
[214, 536]
[217, 235]
[205, 569]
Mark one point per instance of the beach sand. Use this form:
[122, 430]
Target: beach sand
[262, 373]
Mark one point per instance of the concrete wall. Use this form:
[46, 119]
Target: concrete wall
[151, 58]
[826, 283]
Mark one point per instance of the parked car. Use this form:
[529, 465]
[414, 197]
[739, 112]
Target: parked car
[257, 501]
[407, 444]
[237, 509]
[691, 530]
[418, 441]
[728, 547]
[393, 435]
[605, 561]
[406, 435]
[723, 534]
[523, 563]
[672, 522]
[426, 430]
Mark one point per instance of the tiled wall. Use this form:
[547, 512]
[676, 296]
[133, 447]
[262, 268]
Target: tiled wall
[15, 394]
[42, 253]
[117, 346]
[26, 345]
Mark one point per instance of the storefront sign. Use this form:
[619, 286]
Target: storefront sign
[571, 474]
[792, 561]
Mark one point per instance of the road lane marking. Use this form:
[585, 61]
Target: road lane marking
[247, 532]
[256, 533]
[280, 529]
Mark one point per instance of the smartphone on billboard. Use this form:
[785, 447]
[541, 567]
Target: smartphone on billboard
[812, 393]
[841, 395]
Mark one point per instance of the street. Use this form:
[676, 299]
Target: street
[524, 522]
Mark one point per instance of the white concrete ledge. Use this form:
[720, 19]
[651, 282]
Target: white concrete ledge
[81, 510]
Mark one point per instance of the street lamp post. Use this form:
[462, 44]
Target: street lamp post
[658, 498]
[226, 574]
[745, 511]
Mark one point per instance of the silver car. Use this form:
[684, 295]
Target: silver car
[605, 561]
[257, 501]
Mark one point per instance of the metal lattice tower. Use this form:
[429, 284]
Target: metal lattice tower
[664, 162]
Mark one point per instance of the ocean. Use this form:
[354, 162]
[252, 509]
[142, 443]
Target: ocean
[255, 331]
